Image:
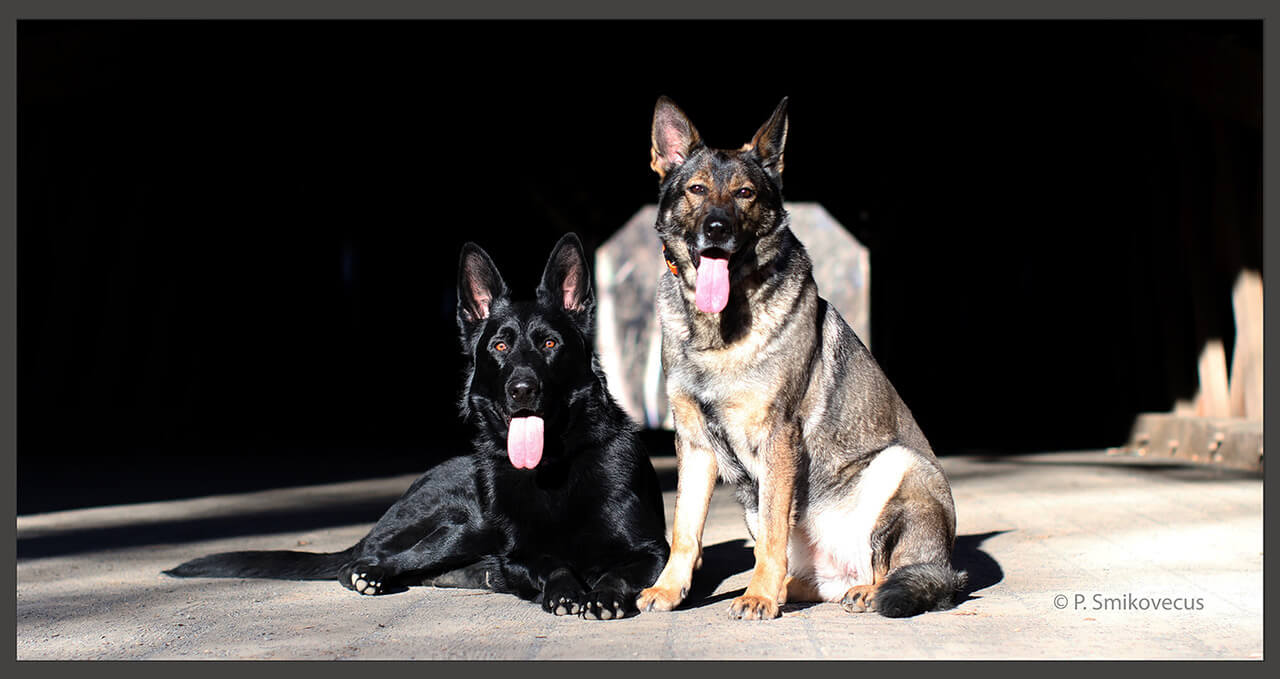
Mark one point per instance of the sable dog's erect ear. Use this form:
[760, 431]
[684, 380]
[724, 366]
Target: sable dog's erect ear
[566, 280]
[770, 140]
[674, 138]
[480, 285]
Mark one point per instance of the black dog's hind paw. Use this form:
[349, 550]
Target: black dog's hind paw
[363, 579]
[606, 604]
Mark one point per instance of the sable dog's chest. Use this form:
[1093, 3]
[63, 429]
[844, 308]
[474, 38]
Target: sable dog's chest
[739, 408]
[745, 389]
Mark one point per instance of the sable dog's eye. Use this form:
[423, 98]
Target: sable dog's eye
[744, 192]
[550, 344]
[697, 189]
[500, 346]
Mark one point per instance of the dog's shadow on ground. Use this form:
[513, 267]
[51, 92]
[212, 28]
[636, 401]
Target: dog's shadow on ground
[727, 559]
[984, 571]
[719, 563]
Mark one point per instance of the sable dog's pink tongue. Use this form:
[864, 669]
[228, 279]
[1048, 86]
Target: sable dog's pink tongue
[524, 442]
[711, 293]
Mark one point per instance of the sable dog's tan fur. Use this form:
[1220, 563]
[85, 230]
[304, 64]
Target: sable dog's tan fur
[775, 394]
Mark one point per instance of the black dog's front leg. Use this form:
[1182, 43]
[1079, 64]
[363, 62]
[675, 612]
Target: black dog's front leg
[613, 595]
[541, 579]
[563, 593]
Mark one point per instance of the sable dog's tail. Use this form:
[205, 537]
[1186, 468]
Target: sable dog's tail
[916, 588]
[279, 565]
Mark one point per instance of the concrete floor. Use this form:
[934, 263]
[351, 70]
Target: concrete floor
[1065, 552]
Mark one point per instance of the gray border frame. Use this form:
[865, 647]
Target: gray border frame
[556, 9]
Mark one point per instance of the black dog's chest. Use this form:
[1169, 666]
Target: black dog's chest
[537, 513]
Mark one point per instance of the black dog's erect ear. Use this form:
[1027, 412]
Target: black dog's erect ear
[674, 138]
[770, 140]
[479, 284]
[566, 280]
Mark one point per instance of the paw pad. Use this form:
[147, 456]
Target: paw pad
[567, 603]
[363, 583]
[606, 608]
[749, 607]
[566, 606]
[856, 601]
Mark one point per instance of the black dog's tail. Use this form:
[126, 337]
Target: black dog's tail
[279, 565]
[919, 587]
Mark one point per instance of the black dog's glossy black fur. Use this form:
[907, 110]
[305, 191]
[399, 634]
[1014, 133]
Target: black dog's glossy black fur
[581, 532]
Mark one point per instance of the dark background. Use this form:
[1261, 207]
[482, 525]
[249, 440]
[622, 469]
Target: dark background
[237, 240]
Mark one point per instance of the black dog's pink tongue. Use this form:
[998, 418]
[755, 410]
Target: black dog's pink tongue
[711, 293]
[524, 442]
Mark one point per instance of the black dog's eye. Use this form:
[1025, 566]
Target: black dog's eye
[550, 344]
[500, 346]
[697, 189]
[745, 192]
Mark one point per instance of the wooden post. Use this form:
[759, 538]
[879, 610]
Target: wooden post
[1246, 362]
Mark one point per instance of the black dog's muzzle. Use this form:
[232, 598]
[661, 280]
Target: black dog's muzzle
[524, 392]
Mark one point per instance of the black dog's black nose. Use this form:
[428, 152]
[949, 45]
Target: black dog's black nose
[522, 390]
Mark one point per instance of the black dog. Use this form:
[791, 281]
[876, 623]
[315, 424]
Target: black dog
[558, 502]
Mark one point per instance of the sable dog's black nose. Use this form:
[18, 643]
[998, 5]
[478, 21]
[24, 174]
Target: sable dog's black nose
[716, 228]
[522, 390]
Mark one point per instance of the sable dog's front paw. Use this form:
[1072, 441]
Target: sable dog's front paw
[606, 604]
[751, 607]
[363, 579]
[660, 598]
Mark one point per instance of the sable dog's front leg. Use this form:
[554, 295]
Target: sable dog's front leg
[777, 488]
[695, 481]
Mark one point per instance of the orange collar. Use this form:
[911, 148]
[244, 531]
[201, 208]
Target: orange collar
[670, 264]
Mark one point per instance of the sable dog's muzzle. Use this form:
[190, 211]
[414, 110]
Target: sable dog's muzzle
[715, 242]
[718, 231]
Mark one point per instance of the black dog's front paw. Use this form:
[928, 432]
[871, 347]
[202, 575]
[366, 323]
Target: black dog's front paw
[563, 602]
[363, 579]
[608, 604]
[563, 593]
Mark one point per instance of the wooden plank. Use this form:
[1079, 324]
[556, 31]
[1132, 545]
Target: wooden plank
[1223, 441]
[1212, 399]
[1245, 389]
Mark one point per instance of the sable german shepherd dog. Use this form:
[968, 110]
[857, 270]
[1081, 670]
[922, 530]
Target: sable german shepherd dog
[771, 389]
[558, 502]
